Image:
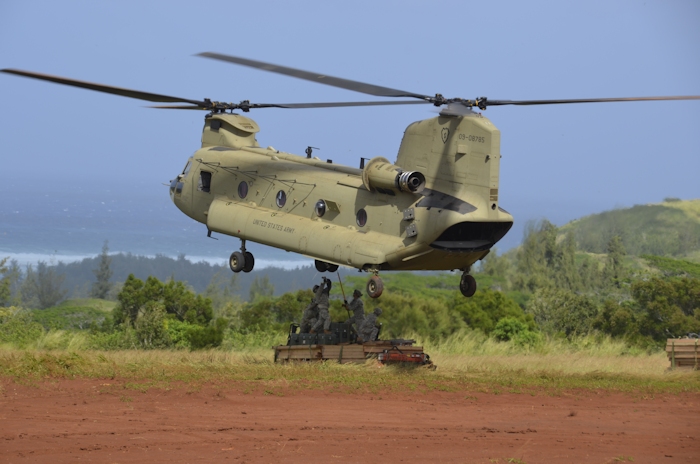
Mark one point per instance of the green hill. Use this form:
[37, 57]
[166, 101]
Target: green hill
[671, 228]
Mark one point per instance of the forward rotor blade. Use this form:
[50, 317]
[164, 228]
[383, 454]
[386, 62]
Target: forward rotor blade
[177, 107]
[154, 97]
[347, 84]
[293, 105]
[584, 100]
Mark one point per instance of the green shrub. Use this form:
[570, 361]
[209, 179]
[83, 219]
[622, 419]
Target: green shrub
[508, 328]
[17, 327]
[515, 330]
[124, 339]
[173, 296]
[150, 327]
[487, 307]
[207, 337]
[563, 312]
[178, 332]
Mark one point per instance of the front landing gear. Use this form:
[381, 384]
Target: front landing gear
[241, 260]
[467, 285]
[375, 286]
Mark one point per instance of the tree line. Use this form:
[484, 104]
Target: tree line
[546, 287]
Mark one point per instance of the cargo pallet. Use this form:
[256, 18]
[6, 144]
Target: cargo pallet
[683, 352]
[341, 345]
[386, 351]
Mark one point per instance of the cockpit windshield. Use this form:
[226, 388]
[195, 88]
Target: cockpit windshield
[187, 168]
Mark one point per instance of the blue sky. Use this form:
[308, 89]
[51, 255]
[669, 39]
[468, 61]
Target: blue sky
[559, 162]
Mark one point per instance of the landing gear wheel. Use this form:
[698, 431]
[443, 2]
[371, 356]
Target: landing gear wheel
[375, 287]
[248, 261]
[467, 285]
[321, 266]
[236, 261]
[332, 267]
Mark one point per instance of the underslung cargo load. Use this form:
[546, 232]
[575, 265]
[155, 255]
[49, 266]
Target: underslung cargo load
[340, 345]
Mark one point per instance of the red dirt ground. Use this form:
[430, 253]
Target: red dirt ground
[101, 421]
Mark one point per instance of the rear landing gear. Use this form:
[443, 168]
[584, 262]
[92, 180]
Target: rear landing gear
[241, 260]
[375, 286]
[467, 285]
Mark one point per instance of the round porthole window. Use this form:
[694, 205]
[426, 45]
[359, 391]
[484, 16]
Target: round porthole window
[243, 189]
[320, 208]
[281, 198]
[361, 218]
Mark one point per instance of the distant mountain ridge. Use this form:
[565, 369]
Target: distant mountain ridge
[670, 228]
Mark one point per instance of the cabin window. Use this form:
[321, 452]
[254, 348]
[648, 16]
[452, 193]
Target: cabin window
[361, 218]
[243, 189]
[320, 208]
[280, 198]
[204, 181]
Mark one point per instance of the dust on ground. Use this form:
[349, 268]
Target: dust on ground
[118, 422]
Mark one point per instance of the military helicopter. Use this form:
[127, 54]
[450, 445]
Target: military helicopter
[435, 208]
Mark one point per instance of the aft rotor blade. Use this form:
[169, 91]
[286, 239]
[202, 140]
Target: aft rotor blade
[488, 102]
[347, 84]
[344, 104]
[154, 97]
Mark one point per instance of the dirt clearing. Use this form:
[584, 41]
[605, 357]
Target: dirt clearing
[119, 422]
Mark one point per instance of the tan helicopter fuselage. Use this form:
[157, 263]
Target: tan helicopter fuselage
[451, 220]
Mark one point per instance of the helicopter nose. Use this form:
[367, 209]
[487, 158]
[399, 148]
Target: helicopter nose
[175, 188]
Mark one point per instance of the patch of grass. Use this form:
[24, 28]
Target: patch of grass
[673, 267]
[255, 371]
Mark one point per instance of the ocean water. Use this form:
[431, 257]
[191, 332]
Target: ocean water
[68, 220]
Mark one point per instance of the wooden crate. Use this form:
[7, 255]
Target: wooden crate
[683, 352]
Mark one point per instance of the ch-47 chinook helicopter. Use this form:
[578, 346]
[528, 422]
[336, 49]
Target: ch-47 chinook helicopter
[435, 208]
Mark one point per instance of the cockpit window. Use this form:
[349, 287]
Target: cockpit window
[187, 168]
[204, 181]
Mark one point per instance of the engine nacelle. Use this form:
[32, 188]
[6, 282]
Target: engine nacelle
[380, 174]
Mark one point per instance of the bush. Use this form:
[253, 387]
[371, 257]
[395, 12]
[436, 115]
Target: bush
[174, 298]
[511, 329]
[487, 307]
[17, 327]
[668, 307]
[562, 312]
[508, 328]
[150, 327]
[178, 332]
[207, 337]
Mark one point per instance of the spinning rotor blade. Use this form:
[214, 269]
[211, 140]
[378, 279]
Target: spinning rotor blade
[206, 104]
[247, 106]
[342, 104]
[347, 84]
[178, 107]
[487, 102]
[154, 97]
[437, 100]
